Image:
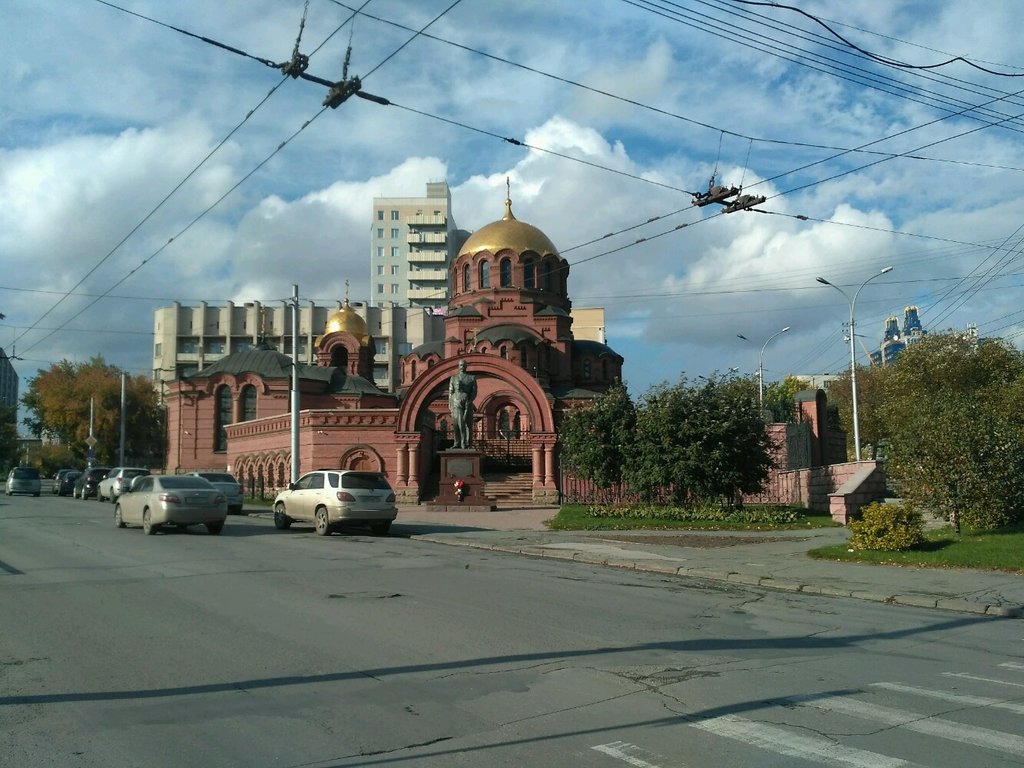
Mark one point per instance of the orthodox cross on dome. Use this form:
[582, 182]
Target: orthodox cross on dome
[346, 291]
[508, 201]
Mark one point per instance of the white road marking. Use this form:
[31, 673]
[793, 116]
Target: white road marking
[956, 698]
[915, 721]
[966, 676]
[786, 741]
[1012, 665]
[621, 751]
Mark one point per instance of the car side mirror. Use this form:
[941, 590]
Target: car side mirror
[292, 486]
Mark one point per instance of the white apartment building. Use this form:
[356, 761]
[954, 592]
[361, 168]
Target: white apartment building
[412, 242]
[188, 338]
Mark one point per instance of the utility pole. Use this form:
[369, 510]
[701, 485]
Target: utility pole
[295, 383]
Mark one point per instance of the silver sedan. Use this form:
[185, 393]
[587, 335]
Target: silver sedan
[153, 501]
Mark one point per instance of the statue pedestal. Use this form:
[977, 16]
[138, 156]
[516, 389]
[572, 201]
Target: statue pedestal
[461, 464]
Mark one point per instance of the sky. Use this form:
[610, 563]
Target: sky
[151, 153]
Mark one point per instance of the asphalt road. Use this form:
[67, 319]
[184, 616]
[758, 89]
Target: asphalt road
[266, 648]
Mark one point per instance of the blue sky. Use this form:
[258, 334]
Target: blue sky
[625, 108]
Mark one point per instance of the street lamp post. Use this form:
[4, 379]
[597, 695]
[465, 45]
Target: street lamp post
[760, 365]
[853, 352]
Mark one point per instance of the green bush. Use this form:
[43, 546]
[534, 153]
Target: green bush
[889, 527]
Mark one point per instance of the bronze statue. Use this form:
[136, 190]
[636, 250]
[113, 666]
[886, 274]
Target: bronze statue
[461, 392]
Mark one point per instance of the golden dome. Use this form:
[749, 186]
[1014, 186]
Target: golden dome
[346, 320]
[508, 232]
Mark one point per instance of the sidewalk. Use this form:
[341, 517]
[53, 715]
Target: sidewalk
[771, 559]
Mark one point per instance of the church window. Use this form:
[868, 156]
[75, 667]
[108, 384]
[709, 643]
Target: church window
[505, 272]
[545, 276]
[465, 277]
[485, 274]
[529, 274]
[248, 402]
[221, 418]
[504, 352]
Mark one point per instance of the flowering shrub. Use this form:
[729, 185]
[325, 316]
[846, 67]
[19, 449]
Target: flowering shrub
[711, 512]
[888, 527]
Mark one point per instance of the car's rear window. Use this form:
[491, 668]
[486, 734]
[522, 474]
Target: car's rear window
[134, 473]
[26, 473]
[365, 481]
[218, 477]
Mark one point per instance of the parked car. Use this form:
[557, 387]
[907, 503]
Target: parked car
[85, 485]
[65, 484]
[329, 498]
[153, 501]
[229, 486]
[111, 486]
[58, 476]
[23, 480]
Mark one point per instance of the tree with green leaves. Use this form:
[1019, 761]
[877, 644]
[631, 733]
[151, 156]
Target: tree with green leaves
[700, 443]
[58, 399]
[951, 408]
[780, 398]
[595, 438]
[870, 386]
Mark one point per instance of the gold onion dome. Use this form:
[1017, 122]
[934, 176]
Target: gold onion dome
[346, 320]
[509, 233]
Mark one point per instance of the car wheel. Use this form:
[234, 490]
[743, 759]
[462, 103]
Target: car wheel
[118, 520]
[215, 528]
[35, 494]
[281, 521]
[148, 527]
[381, 529]
[323, 522]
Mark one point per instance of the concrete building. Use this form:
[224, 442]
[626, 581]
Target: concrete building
[412, 242]
[8, 382]
[188, 339]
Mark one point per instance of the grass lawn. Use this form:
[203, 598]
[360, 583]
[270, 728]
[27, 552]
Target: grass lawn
[576, 517]
[1001, 550]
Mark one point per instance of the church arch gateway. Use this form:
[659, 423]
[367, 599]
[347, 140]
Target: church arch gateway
[501, 381]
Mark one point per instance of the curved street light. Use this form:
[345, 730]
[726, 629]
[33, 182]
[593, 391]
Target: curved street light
[760, 365]
[853, 354]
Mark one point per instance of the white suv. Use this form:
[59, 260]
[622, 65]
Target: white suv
[332, 497]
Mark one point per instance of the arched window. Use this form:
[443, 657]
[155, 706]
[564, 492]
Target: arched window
[545, 276]
[248, 402]
[503, 352]
[221, 418]
[505, 270]
[485, 274]
[529, 274]
[465, 277]
[339, 357]
[524, 355]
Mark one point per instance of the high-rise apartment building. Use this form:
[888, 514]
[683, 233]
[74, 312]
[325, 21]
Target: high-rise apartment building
[412, 242]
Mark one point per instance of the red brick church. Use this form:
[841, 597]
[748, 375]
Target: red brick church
[508, 318]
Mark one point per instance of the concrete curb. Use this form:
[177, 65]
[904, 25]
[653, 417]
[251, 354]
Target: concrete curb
[747, 579]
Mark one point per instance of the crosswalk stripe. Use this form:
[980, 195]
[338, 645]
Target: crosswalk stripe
[966, 676]
[956, 698]
[1012, 665]
[785, 741]
[626, 752]
[915, 721]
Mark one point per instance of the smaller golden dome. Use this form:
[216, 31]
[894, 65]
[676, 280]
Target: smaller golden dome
[345, 320]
